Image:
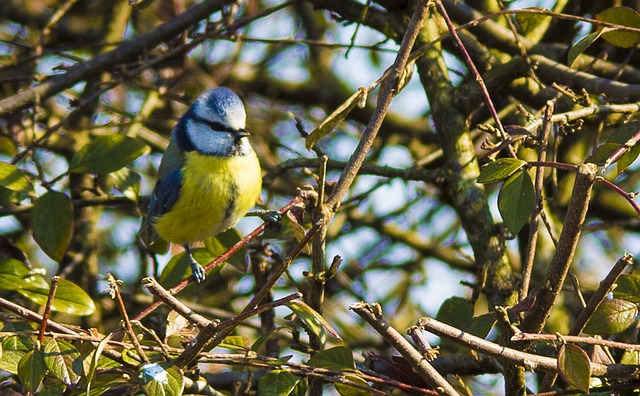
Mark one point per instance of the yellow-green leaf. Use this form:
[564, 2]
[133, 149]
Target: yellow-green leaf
[337, 358]
[31, 370]
[574, 366]
[628, 288]
[623, 16]
[529, 21]
[107, 153]
[277, 383]
[63, 361]
[14, 179]
[612, 316]
[52, 223]
[311, 318]
[348, 390]
[70, 298]
[161, 379]
[500, 169]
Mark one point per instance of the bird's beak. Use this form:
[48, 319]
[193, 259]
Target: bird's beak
[240, 133]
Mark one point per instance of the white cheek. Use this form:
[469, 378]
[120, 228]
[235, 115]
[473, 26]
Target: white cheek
[236, 119]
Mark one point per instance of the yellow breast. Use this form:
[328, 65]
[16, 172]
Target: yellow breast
[216, 193]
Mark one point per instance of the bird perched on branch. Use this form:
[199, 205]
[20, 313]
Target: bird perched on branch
[209, 176]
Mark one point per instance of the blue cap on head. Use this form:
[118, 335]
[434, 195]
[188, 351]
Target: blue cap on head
[221, 105]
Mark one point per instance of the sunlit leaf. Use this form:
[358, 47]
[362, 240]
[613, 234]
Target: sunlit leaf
[337, 358]
[14, 179]
[14, 275]
[623, 16]
[529, 21]
[107, 153]
[348, 390]
[95, 356]
[311, 318]
[516, 200]
[236, 342]
[13, 350]
[52, 223]
[161, 379]
[574, 366]
[612, 316]
[69, 298]
[628, 288]
[628, 158]
[126, 181]
[277, 383]
[63, 361]
[32, 370]
[500, 169]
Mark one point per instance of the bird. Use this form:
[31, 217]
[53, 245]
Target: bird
[209, 176]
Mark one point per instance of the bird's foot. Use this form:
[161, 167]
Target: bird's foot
[197, 271]
[271, 217]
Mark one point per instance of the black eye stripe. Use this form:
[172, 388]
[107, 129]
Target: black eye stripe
[217, 126]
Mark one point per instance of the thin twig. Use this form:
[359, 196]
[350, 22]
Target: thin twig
[372, 314]
[55, 281]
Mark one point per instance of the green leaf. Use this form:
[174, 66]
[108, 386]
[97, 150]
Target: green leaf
[337, 358]
[630, 357]
[623, 16]
[7, 146]
[277, 383]
[32, 370]
[516, 200]
[312, 319]
[236, 342]
[335, 118]
[602, 153]
[14, 349]
[52, 223]
[107, 153]
[348, 390]
[481, 325]
[529, 21]
[161, 379]
[500, 169]
[14, 275]
[14, 179]
[612, 316]
[628, 158]
[126, 181]
[584, 43]
[70, 298]
[179, 269]
[95, 356]
[574, 366]
[624, 132]
[222, 242]
[63, 361]
[628, 288]
[456, 311]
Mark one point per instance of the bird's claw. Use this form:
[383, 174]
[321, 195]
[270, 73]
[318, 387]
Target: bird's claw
[199, 275]
[272, 218]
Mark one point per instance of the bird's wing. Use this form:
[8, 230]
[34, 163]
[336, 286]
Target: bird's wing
[166, 192]
[164, 196]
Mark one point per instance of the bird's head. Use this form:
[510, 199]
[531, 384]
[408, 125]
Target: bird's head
[214, 125]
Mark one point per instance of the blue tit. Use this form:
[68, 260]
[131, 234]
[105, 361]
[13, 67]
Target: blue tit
[209, 176]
